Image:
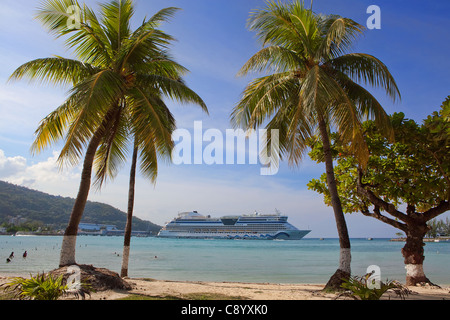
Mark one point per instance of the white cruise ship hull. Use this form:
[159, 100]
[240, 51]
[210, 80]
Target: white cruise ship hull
[252, 227]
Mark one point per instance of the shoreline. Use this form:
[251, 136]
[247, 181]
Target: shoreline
[196, 290]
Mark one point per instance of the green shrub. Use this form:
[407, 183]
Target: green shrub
[42, 287]
[358, 288]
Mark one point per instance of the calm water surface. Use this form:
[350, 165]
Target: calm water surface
[304, 261]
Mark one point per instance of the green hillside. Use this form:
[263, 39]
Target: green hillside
[37, 206]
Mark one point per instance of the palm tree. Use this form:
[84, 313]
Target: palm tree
[312, 87]
[116, 82]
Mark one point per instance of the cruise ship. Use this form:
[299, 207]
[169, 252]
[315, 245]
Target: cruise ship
[253, 226]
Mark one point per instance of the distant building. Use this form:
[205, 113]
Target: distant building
[96, 227]
[106, 230]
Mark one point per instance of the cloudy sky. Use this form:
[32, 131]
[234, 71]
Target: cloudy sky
[213, 43]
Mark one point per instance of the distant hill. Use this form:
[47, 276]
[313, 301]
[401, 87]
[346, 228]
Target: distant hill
[34, 205]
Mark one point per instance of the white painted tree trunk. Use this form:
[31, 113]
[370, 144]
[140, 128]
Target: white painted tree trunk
[345, 259]
[67, 256]
[415, 274]
[125, 259]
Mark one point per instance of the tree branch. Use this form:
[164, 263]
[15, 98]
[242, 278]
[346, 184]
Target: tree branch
[377, 215]
[434, 212]
[380, 203]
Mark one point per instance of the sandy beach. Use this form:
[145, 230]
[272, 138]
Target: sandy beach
[161, 289]
[251, 291]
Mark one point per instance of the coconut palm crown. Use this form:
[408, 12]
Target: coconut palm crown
[314, 84]
[118, 81]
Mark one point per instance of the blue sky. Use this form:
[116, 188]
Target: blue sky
[213, 43]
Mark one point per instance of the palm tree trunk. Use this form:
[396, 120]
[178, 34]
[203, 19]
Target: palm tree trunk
[127, 237]
[67, 256]
[344, 269]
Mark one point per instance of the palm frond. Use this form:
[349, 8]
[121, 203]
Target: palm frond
[54, 15]
[53, 127]
[88, 39]
[262, 97]
[174, 89]
[365, 68]
[152, 124]
[112, 151]
[286, 25]
[272, 59]
[96, 96]
[56, 70]
[116, 19]
[338, 36]
[142, 47]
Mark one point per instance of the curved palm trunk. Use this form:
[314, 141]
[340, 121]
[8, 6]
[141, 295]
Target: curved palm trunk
[128, 227]
[344, 269]
[67, 256]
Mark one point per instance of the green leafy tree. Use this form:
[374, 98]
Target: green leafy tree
[410, 173]
[314, 84]
[439, 228]
[117, 81]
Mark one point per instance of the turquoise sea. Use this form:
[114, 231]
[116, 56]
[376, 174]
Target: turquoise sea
[305, 261]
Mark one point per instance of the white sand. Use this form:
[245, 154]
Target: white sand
[252, 291]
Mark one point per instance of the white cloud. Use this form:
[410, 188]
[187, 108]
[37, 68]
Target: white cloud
[11, 165]
[44, 175]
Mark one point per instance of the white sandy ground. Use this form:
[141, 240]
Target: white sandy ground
[251, 291]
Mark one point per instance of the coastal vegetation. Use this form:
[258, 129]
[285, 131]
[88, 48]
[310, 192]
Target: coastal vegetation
[314, 85]
[42, 287]
[438, 228]
[360, 288]
[405, 183]
[23, 209]
[118, 80]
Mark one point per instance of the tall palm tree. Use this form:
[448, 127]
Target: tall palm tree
[116, 82]
[312, 87]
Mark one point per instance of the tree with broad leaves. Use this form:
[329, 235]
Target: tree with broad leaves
[412, 173]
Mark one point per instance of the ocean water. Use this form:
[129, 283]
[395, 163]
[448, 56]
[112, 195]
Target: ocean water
[304, 261]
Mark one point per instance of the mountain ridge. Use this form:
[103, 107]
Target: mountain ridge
[33, 205]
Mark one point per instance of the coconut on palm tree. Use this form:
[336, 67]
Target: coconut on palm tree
[314, 84]
[117, 80]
